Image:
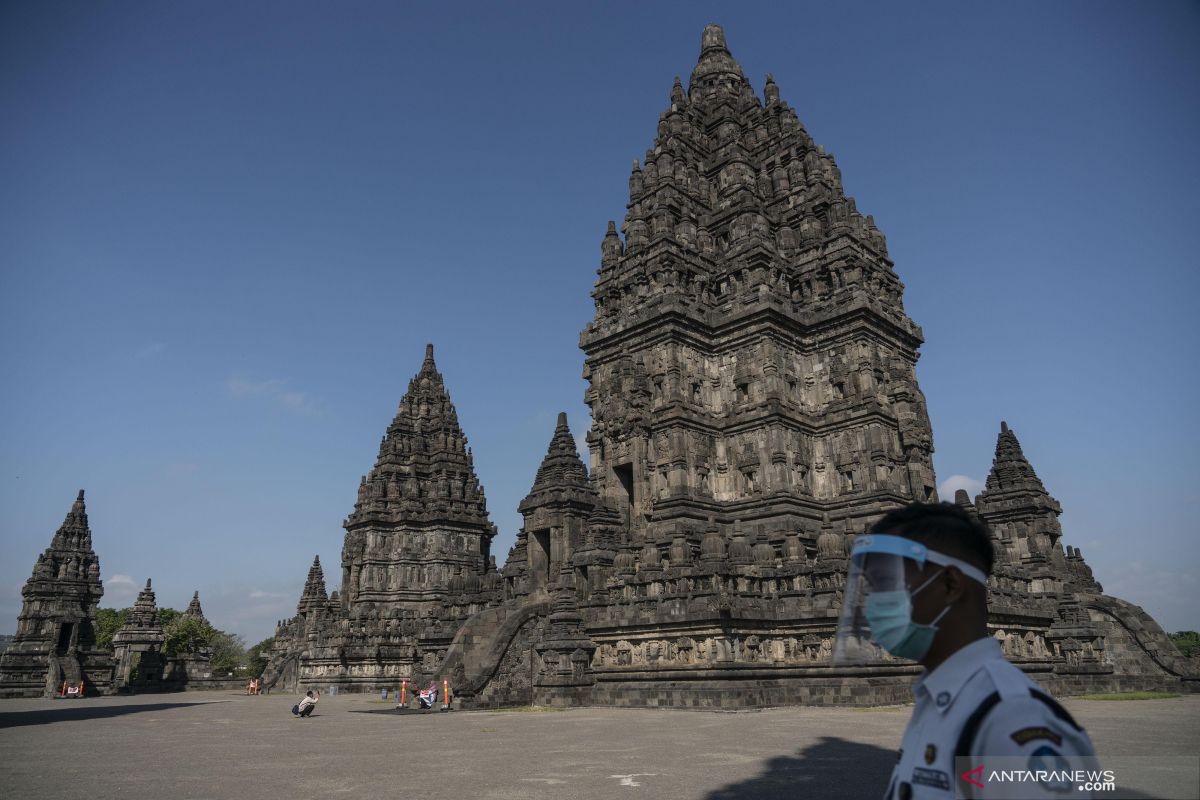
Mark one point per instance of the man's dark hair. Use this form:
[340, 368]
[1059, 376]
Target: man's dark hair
[943, 527]
[309, 693]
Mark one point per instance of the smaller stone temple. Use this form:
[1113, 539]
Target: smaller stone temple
[55, 640]
[137, 646]
[55, 643]
[191, 669]
[416, 558]
[194, 610]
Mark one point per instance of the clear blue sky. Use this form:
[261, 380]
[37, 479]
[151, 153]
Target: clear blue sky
[228, 229]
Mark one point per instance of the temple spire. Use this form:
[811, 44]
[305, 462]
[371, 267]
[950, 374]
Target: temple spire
[716, 73]
[144, 614]
[74, 533]
[677, 95]
[423, 472]
[1011, 470]
[314, 595]
[562, 466]
[1023, 514]
[194, 609]
[562, 475]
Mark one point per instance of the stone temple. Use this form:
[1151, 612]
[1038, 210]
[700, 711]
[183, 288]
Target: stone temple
[755, 406]
[752, 382]
[56, 632]
[55, 643]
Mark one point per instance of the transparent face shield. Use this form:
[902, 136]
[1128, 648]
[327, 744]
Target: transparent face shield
[877, 591]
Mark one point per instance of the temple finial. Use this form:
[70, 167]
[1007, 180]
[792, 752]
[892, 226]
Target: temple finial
[771, 91]
[716, 73]
[713, 38]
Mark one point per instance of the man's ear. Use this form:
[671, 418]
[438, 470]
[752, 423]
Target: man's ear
[955, 583]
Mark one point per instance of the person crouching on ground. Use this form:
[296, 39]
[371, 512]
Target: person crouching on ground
[306, 704]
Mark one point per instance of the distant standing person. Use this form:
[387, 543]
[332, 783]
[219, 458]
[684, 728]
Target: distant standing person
[307, 704]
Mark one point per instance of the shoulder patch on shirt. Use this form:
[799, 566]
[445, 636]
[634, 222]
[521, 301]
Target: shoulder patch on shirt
[931, 777]
[1051, 769]
[1027, 735]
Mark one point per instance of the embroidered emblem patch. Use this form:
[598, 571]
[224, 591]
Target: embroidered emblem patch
[1052, 769]
[930, 754]
[1026, 735]
[931, 777]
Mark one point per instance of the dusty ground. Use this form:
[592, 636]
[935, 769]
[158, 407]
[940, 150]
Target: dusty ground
[216, 745]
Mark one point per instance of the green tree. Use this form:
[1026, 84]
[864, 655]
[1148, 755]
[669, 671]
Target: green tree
[187, 635]
[1188, 642]
[228, 653]
[257, 657]
[108, 622]
[166, 616]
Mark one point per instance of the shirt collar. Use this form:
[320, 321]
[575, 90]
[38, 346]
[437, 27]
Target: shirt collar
[944, 683]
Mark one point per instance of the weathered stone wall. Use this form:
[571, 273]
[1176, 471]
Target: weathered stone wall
[512, 682]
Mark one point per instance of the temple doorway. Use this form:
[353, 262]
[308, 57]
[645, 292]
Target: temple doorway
[539, 558]
[64, 637]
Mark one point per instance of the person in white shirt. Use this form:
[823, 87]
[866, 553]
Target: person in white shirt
[980, 728]
[307, 703]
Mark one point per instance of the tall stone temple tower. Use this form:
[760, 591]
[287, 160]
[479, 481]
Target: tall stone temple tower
[752, 380]
[56, 632]
[421, 518]
[416, 559]
[750, 358]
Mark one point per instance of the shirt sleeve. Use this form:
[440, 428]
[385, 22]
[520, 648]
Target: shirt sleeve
[1029, 751]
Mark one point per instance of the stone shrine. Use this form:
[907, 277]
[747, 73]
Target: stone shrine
[416, 560]
[55, 640]
[137, 645]
[55, 643]
[752, 383]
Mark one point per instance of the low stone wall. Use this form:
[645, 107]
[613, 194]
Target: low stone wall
[217, 684]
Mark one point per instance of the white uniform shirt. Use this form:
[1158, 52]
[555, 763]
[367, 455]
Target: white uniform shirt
[1018, 726]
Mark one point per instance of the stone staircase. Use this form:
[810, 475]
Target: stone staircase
[482, 643]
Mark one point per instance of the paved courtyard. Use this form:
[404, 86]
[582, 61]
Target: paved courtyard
[221, 745]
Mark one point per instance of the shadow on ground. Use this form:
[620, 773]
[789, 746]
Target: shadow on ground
[831, 769]
[45, 716]
[399, 712]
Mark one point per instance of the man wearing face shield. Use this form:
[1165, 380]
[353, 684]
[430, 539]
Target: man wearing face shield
[917, 588]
